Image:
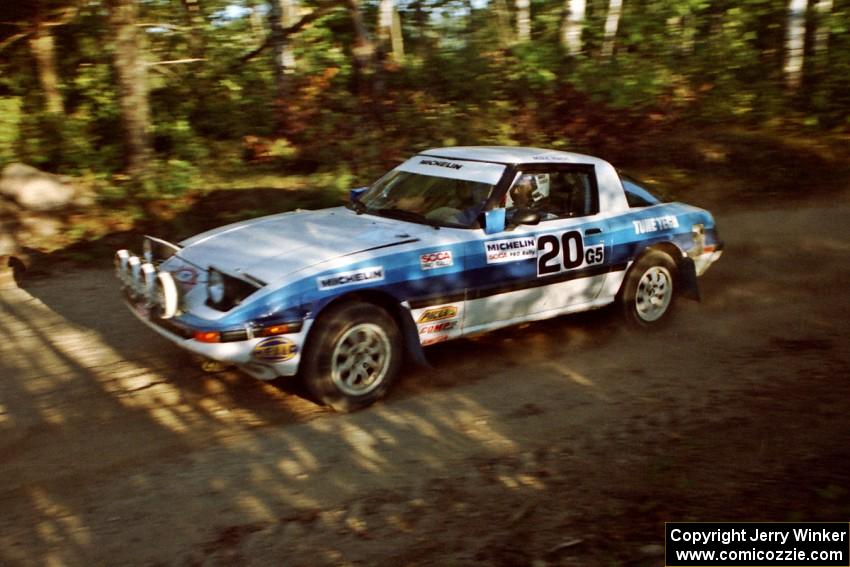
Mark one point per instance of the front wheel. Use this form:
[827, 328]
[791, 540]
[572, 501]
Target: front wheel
[354, 356]
[649, 292]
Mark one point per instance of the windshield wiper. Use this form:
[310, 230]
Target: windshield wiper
[405, 215]
[357, 206]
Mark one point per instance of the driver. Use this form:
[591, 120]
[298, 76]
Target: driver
[529, 190]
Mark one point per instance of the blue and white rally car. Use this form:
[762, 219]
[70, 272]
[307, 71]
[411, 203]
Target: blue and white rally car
[453, 241]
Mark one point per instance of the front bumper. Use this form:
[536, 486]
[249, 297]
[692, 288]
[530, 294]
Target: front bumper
[265, 358]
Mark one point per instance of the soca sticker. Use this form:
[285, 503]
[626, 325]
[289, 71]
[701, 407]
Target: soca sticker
[654, 224]
[275, 349]
[341, 279]
[438, 314]
[433, 260]
[510, 250]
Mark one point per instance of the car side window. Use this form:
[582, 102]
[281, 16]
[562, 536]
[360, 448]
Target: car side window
[554, 194]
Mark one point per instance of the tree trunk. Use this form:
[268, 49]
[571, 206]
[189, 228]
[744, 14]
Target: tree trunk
[44, 52]
[612, 22]
[523, 20]
[823, 9]
[572, 24]
[390, 39]
[195, 21]
[281, 17]
[503, 26]
[795, 36]
[363, 50]
[131, 72]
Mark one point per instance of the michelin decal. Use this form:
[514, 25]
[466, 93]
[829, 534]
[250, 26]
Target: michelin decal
[362, 276]
[510, 250]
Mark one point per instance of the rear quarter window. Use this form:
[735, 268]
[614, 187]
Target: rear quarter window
[636, 195]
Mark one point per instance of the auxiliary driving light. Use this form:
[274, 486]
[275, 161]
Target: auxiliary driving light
[166, 292]
[149, 283]
[135, 275]
[122, 269]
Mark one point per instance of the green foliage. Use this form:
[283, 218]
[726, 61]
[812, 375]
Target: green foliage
[10, 119]
[463, 80]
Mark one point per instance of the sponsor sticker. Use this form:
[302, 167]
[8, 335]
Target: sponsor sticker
[275, 349]
[434, 339]
[186, 276]
[558, 253]
[438, 314]
[361, 276]
[654, 224]
[437, 327]
[433, 260]
[441, 163]
[510, 250]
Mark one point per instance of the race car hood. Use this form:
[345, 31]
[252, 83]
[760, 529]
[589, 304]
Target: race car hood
[270, 248]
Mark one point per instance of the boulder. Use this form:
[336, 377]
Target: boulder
[35, 190]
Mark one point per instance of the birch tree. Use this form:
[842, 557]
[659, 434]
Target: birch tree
[612, 23]
[572, 25]
[795, 37]
[390, 37]
[523, 20]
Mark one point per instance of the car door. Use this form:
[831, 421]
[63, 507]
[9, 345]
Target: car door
[534, 271]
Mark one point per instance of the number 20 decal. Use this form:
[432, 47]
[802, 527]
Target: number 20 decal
[568, 252]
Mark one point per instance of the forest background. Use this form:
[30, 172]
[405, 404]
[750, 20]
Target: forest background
[177, 115]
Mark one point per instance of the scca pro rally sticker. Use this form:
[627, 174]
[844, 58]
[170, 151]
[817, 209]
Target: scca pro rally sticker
[433, 260]
[510, 250]
[354, 277]
[275, 349]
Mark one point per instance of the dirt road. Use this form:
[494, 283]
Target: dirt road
[567, 442]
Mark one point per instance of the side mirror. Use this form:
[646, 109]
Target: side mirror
[525, 216]
[354, 194]
[494, 221]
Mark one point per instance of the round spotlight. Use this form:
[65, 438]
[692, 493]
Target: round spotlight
[167, 296]
[147, 251]
[149, 283]
[122, 269]
[136, 284]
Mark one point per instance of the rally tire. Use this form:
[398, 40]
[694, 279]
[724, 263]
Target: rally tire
[647, 299]
[353, 357]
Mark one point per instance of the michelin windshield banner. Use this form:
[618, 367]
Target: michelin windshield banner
[741, 544]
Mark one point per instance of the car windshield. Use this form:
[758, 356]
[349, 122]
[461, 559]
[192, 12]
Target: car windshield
[426, 199]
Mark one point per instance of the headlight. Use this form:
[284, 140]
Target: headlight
[215, 287]
[224, 292]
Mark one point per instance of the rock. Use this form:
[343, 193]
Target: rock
[35, 190]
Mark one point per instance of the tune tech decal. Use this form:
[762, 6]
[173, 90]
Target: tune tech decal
[275, 349]
[433, 260]
[654, 224]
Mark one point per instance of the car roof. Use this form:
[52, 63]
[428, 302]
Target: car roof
[510, 154]
[612, 198]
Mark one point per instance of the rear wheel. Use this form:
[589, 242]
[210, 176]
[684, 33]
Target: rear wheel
[649, 292]
[354, 356]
